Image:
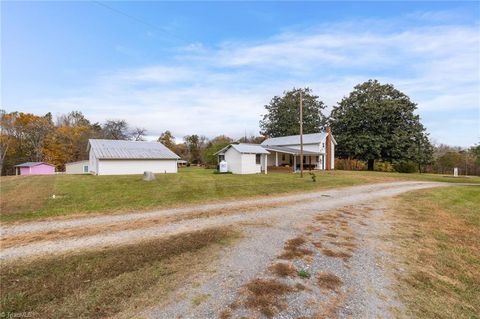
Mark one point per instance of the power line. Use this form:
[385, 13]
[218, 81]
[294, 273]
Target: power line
[138, 20]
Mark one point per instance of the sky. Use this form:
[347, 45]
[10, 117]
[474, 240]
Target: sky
[209, 68]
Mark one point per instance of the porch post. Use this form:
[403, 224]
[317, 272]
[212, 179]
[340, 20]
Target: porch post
[294, 163]
[266, 163]
[276, 159]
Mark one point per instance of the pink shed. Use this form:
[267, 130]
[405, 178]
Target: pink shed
[35, 168]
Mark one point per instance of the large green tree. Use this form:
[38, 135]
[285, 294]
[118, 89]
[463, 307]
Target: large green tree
[283, 116]
[377, 121]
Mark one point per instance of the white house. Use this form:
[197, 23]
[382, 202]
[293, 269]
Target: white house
[318, 151]
[80, 167]
[244, 158]
[117, 157]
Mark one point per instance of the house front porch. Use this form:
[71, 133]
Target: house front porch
[285, 159]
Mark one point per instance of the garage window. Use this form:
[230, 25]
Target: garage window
[257, 158]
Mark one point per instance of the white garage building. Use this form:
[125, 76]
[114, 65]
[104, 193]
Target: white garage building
[244, 158]
[118, 157]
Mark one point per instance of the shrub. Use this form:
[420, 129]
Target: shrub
[406, 167]
[381, 166]
[350, 164]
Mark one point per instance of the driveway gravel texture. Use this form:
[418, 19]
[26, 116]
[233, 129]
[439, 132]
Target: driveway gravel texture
[341, 234]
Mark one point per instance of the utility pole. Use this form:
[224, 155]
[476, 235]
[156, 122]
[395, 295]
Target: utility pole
[301, 134]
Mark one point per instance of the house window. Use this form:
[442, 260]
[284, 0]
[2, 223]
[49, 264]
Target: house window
[323, 145]
[221, 158]
[257, 158]
[85, 168]
[283, 157]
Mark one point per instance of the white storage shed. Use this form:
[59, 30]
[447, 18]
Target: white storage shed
[244, 158]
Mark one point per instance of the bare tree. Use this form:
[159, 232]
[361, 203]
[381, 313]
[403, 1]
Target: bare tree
[115, 130]
[138, 134]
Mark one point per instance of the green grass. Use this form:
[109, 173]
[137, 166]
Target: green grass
[104, 283]
[30, 197]
[439, 231]
[303, 274]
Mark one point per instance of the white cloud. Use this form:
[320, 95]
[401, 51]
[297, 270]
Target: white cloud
[221, 90]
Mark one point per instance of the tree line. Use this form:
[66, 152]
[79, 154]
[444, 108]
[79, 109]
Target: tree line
[374, 125]
[26, 137]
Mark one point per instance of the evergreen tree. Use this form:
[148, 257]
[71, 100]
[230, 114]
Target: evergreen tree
[283, 115]
[377, 121]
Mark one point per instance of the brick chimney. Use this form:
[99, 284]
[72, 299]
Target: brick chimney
[328, 149]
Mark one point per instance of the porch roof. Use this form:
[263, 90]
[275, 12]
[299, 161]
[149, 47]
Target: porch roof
[288, 150]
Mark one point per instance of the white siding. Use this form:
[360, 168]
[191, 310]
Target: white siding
[249, 165]
[234, 161]
[238, 163]
[92, 163]
[136, 166]
[76, 168]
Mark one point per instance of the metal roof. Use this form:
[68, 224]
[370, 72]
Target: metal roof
[120, 149]
[314, 138]
[289, 150]
[245, 149]
[31, 164]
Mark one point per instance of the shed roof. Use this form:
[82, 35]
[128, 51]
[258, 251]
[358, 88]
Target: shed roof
[245, 149]
[314, 138]
[120, 149]
[31, 164]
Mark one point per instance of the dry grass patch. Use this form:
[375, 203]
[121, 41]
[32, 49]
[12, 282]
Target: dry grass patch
[329, 281]
[351, 247]
[318, 244]
[103, 283]
[331, 235]
[336, 254]
[293, 250]
[283, 269]
[267, 296]
[226, 313]
[437, 236]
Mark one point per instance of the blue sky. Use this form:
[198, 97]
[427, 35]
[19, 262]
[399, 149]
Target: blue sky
[210, 67]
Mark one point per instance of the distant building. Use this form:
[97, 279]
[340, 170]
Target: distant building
[118, 157]
[80, 167]
[34, 168]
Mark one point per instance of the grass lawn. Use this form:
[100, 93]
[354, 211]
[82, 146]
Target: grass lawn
[108, 282]
[30, 197]
[439, 236]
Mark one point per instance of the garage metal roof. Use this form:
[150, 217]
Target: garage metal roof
[120, 149]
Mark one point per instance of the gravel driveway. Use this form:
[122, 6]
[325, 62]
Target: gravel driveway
[314, 202]
[323, 219]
